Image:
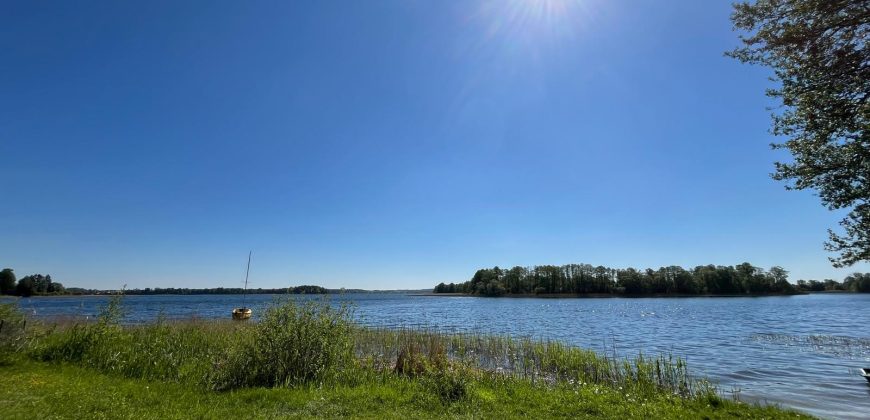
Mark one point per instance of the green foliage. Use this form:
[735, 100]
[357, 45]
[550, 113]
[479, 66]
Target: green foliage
[819, 53]
[314, 347]
[64, 391]
[93, 344]
[308, 290]
[292, 344]
[314, 343]
[7, 281]
[448, 380]
[439, 359]
[449, 384]
[587, 279]
[855, 282]
[12, 329]
[445, 288]
[25, 286]
[38, 284]
[215, 291]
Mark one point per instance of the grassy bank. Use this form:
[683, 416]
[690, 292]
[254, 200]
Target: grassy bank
[39, 390]
[310, 360]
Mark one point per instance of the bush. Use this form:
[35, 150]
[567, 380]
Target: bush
[449, 384]
[292, 344]
[447, 380]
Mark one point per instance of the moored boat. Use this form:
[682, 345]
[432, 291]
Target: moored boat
[243, 312]
[865, 372]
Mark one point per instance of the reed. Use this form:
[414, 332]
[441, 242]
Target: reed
[314, 343]
[13, 327]
[547, 362]
[314, 361]
[292, 344]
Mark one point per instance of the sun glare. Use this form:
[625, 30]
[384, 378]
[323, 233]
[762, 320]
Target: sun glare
[544, 9]
[533, 21]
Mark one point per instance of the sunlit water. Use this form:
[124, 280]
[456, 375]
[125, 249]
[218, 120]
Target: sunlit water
[798, 351]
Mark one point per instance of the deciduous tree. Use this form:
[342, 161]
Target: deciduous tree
[7, 281]
[818, 51]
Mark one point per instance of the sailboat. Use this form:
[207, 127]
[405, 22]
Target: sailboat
[242, 313]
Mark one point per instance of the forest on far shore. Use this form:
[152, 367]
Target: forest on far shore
[43, 285]
[582, 279]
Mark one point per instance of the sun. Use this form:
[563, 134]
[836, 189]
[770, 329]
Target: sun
[533, 19]
[543, 10]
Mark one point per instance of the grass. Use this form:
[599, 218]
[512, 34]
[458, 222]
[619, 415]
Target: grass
[310, 360]
[40, 390]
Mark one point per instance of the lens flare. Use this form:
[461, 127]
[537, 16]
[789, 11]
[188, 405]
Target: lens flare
[541, 19]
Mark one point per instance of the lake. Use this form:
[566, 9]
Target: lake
[796, 351]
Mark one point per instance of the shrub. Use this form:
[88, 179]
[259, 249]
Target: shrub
[447, 380]
[292, 344]
[449, 384]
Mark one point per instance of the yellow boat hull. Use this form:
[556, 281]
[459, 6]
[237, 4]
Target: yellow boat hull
[241, 313]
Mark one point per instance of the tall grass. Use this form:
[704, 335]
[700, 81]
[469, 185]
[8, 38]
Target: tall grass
[12, 332]
[548, 362]
[292, 344]
[315, 344]
[170, 351]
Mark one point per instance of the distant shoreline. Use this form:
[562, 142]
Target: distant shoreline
[419, 293]
[609, 295]
[108, 293]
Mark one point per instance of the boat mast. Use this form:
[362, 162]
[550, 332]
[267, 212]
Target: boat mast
[247, 270]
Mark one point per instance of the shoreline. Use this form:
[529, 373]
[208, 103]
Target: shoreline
[417, 372]
[609, 295]
[432, 294]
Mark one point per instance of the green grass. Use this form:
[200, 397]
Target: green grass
[310, 360]
[40, 390]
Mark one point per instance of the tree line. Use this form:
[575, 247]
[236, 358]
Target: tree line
[742, 279]
[34, 284]
[857, 282]
[43, 285]
[296, 290]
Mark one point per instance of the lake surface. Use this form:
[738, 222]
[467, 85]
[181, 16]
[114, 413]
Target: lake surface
[796, 351]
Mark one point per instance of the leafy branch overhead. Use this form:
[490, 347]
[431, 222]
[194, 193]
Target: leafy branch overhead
[818, 52]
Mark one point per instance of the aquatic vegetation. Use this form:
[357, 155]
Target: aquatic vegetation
[853, 347]
[292, 344]
[547, 362]
[314, 348]
[314, 343]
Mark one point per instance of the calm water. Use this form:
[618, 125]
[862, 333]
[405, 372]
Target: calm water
[798, 351]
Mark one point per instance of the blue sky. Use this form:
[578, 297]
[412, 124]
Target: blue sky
[385, 144]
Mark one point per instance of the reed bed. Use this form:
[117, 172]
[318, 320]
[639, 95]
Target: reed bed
[13, 327]
[547, 362]
[316, 344]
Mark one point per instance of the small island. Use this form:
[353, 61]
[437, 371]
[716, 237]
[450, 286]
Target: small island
[586, 280]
